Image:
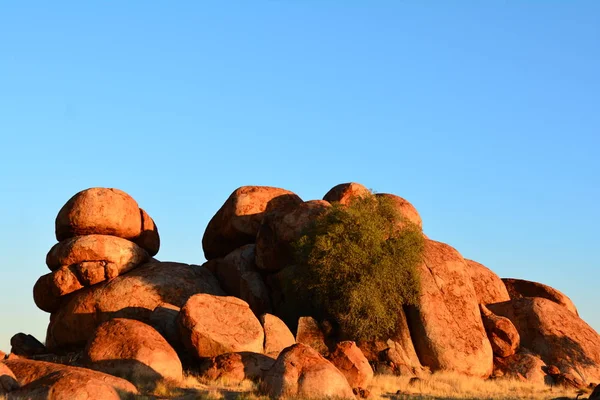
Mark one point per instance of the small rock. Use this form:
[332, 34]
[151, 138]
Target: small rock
[26, 345]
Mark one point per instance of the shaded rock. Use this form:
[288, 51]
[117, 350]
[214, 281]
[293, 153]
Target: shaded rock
[132, 350]
[212, 325]
[239, 277]
[301, 371]
[310, 334]
[133, 295]
[345, 192]
[148, 239]
[8, 380]
[446, 327]
[26, 345]
[277, 334]
[279, 229]
[351, 362]
[235, 367]
[44, 380]
[164, 319]
[522, 364]
[43, 294]
[488, 286]
[501, 332]
[518, 288]
[569, 381]
[238, 220]
[595, 393]
[556, 334]
[404, 208]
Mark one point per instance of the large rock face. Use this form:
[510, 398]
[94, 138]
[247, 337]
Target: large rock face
[404, 208]
[132, 350]
[518, 288]
[352, 363]
[488, 286]
[301, 371]
[557, 335]
[44, 380]
[345, 192]
[279, 229]
[446, 328]
[277, 334]
[503, 335]
[106, 211]
[133, 295]
[239, 277]
[238, 220]
[213, 325]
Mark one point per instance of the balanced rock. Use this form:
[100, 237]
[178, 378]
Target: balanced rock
[556, 334]
[133, 295]
[8, 380]
[446, 327]
[301, 371]
[238, 220]
[488, 286]
[404, 209]
[277, 334]
[106, 211]
[519, 288]
[235, 367]
[214, 325]
[239, 277]
[309, 333]
[43, 294]
[26, 345]
[278, 231]
[502, 333]
[132, 350]
[352, 363]
[344, 193]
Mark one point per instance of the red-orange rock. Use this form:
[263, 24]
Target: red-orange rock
[279, 229]
[239, 277]
[214, 325]
[553, 332]
[352, 363]
[235, 367]
[133, 295]
[148, 239]
[446, 327]
[277, 334]
[238, 220]
[502, 333]
[132, 350]
[522, 364]
[309, 333]
[43, 295]
[301, 371]
[44, 380]
[345, 192]
[8, 380]
[488, 286]
[518, 288]
[404, 208]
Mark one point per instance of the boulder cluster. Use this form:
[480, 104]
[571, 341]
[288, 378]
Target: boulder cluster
[121, 321]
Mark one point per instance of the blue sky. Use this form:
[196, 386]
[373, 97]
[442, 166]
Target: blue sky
[483, 114]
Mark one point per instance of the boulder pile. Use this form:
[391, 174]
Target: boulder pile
[131, 319]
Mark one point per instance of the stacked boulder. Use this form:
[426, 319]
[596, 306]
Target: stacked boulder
[102, 234]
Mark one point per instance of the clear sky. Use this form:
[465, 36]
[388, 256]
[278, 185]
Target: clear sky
[484, 114]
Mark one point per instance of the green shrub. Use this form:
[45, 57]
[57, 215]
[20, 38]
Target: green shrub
[355, 267]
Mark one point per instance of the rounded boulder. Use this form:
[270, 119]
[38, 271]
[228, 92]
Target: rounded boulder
[345, 192]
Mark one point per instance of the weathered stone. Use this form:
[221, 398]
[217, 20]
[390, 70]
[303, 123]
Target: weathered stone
[164, 319]
[26, 345]
[352, 363]
[238, 220]
[301, 371]
[43, 295]
[132, 350]
[556, 334]
[8, 380]
[277, 334]
[213, 325]
[488, 286]
[236, 367]
[133, 295]
[239, 277]
[279, 229]
[522, 364]
[502, 333]
[446, 327]
[309, 333]
[148, 239]
[345, 192]
[404, 208]
[519, 288]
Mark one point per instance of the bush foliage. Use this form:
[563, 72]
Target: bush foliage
[357, 264]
